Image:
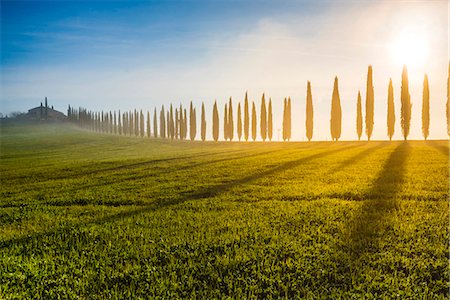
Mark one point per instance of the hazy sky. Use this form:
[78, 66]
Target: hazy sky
[128, 54]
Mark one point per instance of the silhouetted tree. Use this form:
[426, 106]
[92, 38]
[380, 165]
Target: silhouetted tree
[142, 123]
[171, 123]
[270, 121]
[168, 125]
[391, 111]
[406, 104]
[177, 123]
[230, 121]
[119, 124]
[162, 123]
[285, 116]
[155, 124]
[426, 108]
[225, 123]
[246, 118]
[192, 123]
[254, 122]
[239, 122]
[336, 113]
[447, 109]
[369, 104]
[359, 117]
[203, 124]
[309, 113]
[185, 124]
[148, 124]
[263, 119]
[115, 122]
[215, 121]
[289, 120]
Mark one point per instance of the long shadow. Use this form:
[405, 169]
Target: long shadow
[441, 148]
[207, 192]
[380, 201]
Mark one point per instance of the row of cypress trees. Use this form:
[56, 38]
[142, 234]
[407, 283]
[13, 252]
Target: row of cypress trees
[173, 124]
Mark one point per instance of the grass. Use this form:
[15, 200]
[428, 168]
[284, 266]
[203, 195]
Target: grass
[85, 215]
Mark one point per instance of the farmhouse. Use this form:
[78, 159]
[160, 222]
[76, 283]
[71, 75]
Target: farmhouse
[44, 112]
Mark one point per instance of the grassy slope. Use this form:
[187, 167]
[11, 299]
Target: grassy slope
[89, 215]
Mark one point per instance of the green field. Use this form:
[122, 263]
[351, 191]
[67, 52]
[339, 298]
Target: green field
[86, 215]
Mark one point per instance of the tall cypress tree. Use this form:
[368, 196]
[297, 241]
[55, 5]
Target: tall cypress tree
[263, 119]
[285, 120]
[181, 123]
[115, 122]
[336, 113]
[162, 123]
[391, 111]
[192, 123]
[203, 124]
[230, 121]
[406, 104]
[254, 122]
[119, 124]
[142, 129]
[215, 121]
[239, 122]
[359, 125]
[270, 121]
[171, 123]
[426, 108]
[246, 118]
[369, 104]
[177, 123]
[225, 123]
[289, 120]
[447, 109]
[185, 124]
[155, 124]
[169, 135]
[309, 113]
[148, 124]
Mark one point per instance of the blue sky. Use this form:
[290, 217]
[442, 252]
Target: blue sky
[123, 55]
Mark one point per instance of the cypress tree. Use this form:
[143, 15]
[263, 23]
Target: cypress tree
[289, 120]
[230, 121]
[168, 125]
[263, 119]
[115, 122]
[203, 124]
[447, 109]
[406, 104]
[155, 124]
[369, 104]
[111, 122]
[239, 122]
[119, 124]
[309, 113]
[162, 123]
[426, 108]
[254, 122]
[270, 121]
[359, 125]
[171, 123]
[185, 124]
[336, 113]
[142, 129]
[177, 122]
[225, 123]
[246, 118]
[192, 123]
[148, 123]
[391, 111]
[284, 120]
[215, 121]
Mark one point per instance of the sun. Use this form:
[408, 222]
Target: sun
[410, 48]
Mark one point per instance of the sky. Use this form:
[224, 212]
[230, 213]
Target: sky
[122, 55]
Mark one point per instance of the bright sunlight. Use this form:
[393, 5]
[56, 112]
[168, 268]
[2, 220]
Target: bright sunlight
[410, 48]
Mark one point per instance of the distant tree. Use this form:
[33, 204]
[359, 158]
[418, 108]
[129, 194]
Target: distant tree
[239, 121]
[181, 123]
[131, 120]
[169, 134]
[447, 109]
[336, 113]
[177, 122]
[142, 127]
[359, 125]
[119, 124]
[309, 112]
[285, 116]
[162, 123]
[215, 122]
[155, 124]
[230, 121]
[148, 124]
[369, 104]
[171, 123]
[246, 118]
[406, 104]
[263, 119]
[185, 124]
[203, 124]
[115, 122]
[192, 123]
[111, 121]
[289, 120]
[391, 111]
[426, 108]
[270, 121]
[225, 123]
[254, 122]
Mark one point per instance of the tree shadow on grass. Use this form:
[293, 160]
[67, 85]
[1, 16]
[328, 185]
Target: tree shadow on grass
[207, 192]
[438, 146]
